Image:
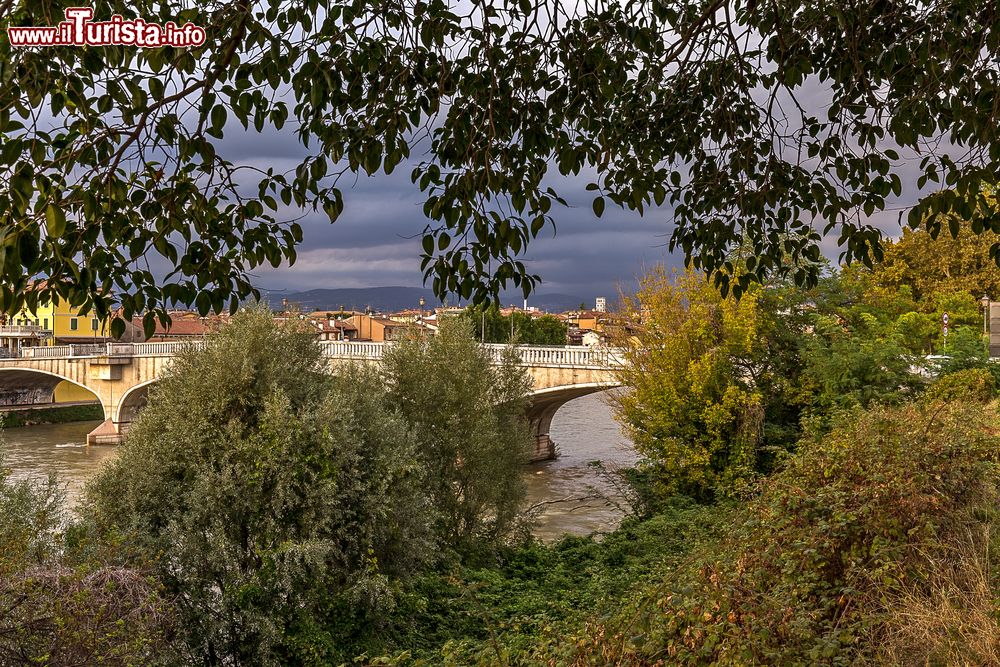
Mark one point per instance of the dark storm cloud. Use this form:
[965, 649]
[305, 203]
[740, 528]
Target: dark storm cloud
[376, 241]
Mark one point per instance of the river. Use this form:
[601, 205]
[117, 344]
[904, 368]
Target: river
[583, 429]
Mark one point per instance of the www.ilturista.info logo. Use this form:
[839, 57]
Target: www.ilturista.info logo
[79, 30]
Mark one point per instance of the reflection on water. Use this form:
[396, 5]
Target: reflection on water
[34, 451]
[583, 429]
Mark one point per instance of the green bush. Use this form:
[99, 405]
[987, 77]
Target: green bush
[811, 571]
[467, 415]
[972, 384]
[53, 415]
[61, 605]
[282, 506]
[515, 610]
[288, 509]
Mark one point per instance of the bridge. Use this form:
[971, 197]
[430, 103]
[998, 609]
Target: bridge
[120, 375]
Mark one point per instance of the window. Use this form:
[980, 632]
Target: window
[45, 324]
[74, 324]
[93, 324]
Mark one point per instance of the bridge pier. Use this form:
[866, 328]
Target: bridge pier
[544, 449]
[107, 433]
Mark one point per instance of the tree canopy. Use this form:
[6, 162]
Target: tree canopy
[491, 326]
[764, 124]
[721, 389]
[694, 408]
[944, 264]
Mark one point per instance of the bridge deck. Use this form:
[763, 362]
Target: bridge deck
[530, 355]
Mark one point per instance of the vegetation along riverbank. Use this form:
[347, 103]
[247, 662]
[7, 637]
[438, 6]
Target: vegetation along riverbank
[55, 414]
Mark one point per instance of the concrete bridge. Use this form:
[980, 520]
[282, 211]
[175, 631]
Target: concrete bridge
[120, 374]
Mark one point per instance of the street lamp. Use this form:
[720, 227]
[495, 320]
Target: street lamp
[986, 314]
[422, 302]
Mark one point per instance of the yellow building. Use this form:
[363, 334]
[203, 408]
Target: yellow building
[585, 320]
[59, 323]
[64, 323]
[380, 329]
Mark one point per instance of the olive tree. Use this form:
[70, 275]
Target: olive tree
[766, 124]
[468, 418]
[282, 506]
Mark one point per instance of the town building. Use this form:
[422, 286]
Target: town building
[331, 327]
[61, 324]
[184, 325]
[378, 329]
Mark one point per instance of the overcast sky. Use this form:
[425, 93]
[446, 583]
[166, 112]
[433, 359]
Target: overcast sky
[376, 242]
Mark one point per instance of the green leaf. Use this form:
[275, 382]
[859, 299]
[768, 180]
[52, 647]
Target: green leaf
[27, 246]
[598, 206]
[55, 221]
[117, 327]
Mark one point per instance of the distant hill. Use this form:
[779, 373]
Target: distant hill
[399, 298]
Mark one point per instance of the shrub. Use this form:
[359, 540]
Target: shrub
[57, 608]
[282, 506]
[971, 384]
[811, 572]
[467, 417]
[516, 609]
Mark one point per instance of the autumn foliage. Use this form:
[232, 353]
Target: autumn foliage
[691, 408]
[882, 511]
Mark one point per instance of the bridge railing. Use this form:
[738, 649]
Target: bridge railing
[530, 355]
[47, 352]
[164, 349]
[88, 349]
[353, 350]
[554, 355]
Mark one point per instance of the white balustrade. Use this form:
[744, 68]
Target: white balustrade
[23, 330]
[165, 349]
[87, 349]
[353, 350]
[530, 355]
[47, 352]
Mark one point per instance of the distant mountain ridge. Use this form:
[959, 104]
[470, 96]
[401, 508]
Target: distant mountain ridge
[396, 297]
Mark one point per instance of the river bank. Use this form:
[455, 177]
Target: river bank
[51, 414]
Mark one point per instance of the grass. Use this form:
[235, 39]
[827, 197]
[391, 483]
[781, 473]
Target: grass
[504, 614]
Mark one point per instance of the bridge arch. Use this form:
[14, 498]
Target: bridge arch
[543, 405]
[33, 386]
[132, 401]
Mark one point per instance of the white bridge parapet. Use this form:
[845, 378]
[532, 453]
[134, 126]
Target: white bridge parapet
[553, 356]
